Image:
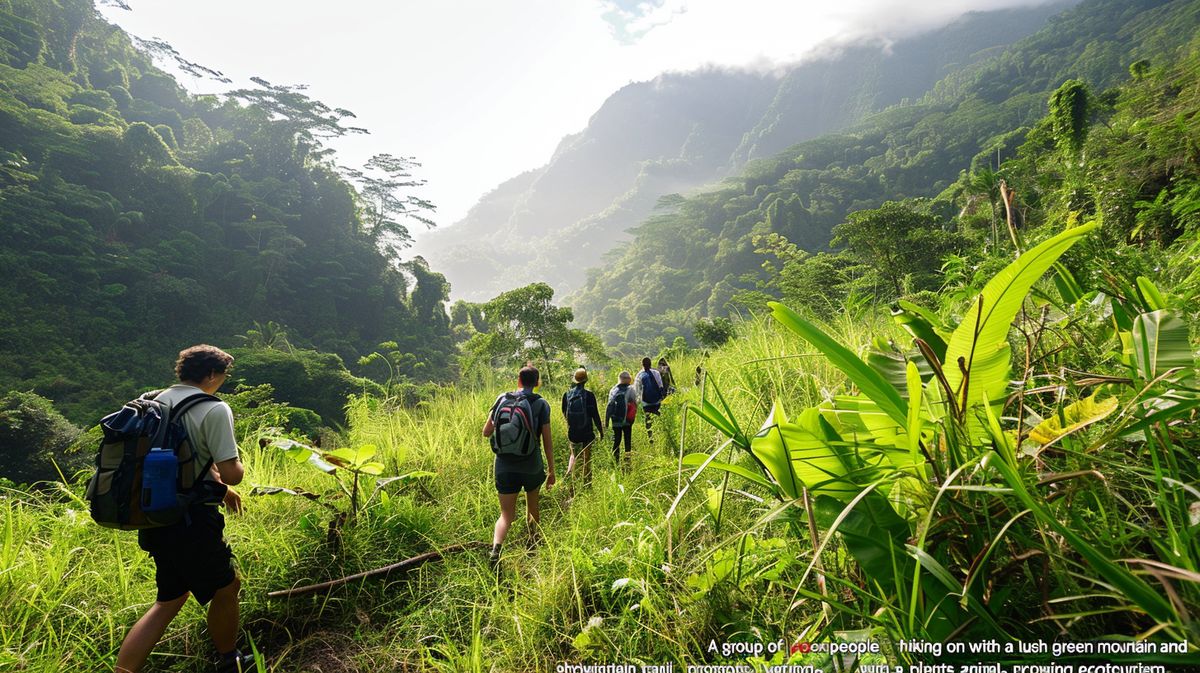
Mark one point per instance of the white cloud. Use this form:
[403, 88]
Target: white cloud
[481, 90]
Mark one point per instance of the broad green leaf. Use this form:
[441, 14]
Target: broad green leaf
[697, 459]
[861, 416]
[913, 427]
[1073, 417]
[809, 453]
[714, 499]
[920, 323]
[1150, 294]
[980, 343]
[869, 381]
[769, 449]
[1068, 287]
[352, 458]
[301, 453]
[1160, 342]
[372, 468]
[875, 536]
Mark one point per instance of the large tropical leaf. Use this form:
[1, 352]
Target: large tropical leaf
[1160, 342]
[977, 356]
[809, 453]
[875, 536]
[698, 459]
[920, 323]
[870, 382]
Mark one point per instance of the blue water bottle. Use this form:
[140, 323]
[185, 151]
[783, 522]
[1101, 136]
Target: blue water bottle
[158, 480]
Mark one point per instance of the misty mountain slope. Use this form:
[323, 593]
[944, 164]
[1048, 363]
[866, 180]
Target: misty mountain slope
[680, 132]
[687, 261]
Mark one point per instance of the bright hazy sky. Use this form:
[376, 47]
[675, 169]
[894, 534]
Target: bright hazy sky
[482, 90]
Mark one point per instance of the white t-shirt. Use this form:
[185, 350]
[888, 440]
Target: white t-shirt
[209, 426]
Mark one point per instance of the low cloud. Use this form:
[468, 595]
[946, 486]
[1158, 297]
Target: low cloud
[765, 34]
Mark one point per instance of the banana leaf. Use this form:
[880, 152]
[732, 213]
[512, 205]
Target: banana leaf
[977, 357]
[1160, 342]
[870, 382]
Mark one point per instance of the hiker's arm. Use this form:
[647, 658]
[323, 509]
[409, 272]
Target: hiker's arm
[488, 428]
[596, 417]
[548, 447]
[230, 471]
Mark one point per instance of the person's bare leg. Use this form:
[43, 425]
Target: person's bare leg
[571, 472]
[533, 514]
[585, 467]
[223, 617]
[146, 633]
[508, 512]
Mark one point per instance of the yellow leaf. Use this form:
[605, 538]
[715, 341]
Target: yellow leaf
[1073, 417]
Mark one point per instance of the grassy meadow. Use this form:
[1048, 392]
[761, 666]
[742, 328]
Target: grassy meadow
[1089, 538]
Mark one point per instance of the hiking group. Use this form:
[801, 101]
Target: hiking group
[518, 428]
[169, 459]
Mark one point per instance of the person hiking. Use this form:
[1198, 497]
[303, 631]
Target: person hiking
[668, 380]
[518, 425]
[619, 413]
[579, 408]
[650, 390]
[192, 557]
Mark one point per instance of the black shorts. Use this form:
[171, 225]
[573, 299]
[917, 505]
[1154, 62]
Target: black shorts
[508, 483]
[190, 557]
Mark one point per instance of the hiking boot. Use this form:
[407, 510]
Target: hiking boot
[236, 662]
[494, 556]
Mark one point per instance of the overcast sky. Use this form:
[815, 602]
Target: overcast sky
[481, 90]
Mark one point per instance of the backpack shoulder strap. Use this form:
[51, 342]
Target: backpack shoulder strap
[190, 401]
[176, 411]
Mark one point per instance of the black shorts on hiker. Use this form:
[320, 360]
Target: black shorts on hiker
[508, 483]
[190, 557]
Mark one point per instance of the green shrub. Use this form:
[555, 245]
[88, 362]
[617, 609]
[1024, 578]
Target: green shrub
[34, 438]
[303, 378]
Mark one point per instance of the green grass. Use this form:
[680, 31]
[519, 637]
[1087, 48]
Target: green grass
[615, 578]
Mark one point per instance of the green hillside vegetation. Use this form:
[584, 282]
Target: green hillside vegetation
[702, 256]
[973, 421]
[136, 220]
[682, 131]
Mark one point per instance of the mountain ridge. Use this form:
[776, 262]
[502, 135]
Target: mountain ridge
[679, 132]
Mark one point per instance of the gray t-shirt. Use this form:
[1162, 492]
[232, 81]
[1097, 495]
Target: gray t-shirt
[532, 464]
[209, 426]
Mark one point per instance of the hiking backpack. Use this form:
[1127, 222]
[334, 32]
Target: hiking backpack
[619, 409]
[145, 475]
[577, 416]
[651, 392]
[512, 420]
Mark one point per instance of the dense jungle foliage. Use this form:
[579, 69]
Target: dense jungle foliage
[135, 217]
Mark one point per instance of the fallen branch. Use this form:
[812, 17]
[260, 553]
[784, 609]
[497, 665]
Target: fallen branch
[406, 564]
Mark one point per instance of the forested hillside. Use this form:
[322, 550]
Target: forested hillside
[136, 219]
[699, 254]
[685, 130]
